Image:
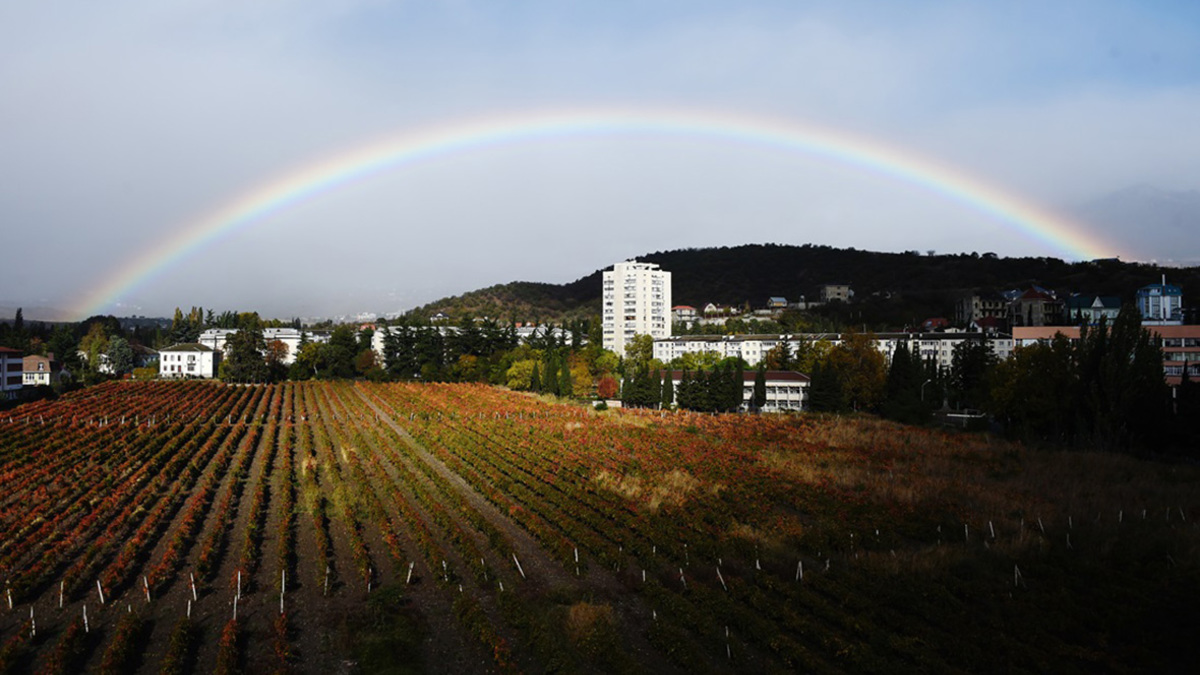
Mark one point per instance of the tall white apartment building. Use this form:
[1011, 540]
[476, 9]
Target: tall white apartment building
[637, 301]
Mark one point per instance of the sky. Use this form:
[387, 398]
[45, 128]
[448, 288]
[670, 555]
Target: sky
[130, 128]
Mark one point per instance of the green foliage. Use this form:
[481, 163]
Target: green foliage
[1106, 391]
[244, 357]
[759, 398]
[120, 355]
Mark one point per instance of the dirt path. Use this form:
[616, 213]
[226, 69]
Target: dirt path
[541, 570]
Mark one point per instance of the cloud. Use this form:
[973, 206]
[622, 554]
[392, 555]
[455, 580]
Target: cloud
[126, 121]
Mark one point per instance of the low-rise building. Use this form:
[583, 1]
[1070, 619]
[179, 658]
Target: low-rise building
[974, 307]
[189, 360]
[1036, 307]
[41, 371]
[1089, 309]
[786, 390]
[215, 338]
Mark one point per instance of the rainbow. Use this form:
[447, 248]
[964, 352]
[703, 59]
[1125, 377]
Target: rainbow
[329, 174]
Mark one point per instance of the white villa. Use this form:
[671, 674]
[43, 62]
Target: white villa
[189, 360]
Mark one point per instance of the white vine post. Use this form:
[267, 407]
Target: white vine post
[32, 623]
[282, 588]
[682, 580]
[408, 579]
[799, 570]
[85, 621]
[722, 580]
[8, 591]
[146, 585]
[576, 561]
[100, 591]
[189, 609]
[235, 601]
[193, 579]
[518, 562]
[239, 588]
[326, 591]
[61, 587]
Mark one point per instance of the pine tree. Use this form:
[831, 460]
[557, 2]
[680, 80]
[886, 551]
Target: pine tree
[759, 398]
[668, 391]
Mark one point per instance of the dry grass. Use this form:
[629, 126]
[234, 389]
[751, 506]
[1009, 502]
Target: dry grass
[585, 621]
[672, 488]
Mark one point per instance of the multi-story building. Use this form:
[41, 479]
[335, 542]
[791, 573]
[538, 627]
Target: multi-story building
[840, 292]
[978, 306]
[636, 301]
[1161, 303]
[215, 338]
[11, 372]
[189, 360]
[1180, 345]
[754, 348]
[785, 390]
[1036, 307]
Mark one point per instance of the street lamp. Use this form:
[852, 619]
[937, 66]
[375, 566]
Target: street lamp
[923, 389]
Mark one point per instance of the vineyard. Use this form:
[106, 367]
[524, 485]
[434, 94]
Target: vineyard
[176, 527]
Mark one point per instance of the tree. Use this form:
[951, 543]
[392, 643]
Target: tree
[520, 374]
[244, 357]
[668, 391]
[275, 354]
[971, 366]
[902, 399]
[120, 355]
[639, 353]
[859, 367]
[759, 398]
[608, 387]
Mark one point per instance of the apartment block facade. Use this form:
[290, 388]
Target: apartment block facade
[636, 300]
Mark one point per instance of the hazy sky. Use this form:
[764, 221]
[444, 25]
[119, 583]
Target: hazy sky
[124, 123]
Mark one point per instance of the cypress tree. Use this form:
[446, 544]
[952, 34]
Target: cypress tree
[668, 391]
[759, 399]
[535, 380]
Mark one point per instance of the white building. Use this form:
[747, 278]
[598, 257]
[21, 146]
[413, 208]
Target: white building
[41, 371]
[188, 360]
[754, 348]
[11, 372]
[785, 390]
[215, 338]
[637, 301]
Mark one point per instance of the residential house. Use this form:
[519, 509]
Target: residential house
[189, 360]
[831, 292]
[1036, 307]
[1089, 309]
[42, 371]
[973, 307]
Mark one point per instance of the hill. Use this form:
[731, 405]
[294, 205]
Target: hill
[892, 288]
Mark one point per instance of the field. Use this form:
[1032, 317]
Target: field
[352, 527]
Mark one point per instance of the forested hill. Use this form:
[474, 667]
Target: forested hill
[924, 285]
